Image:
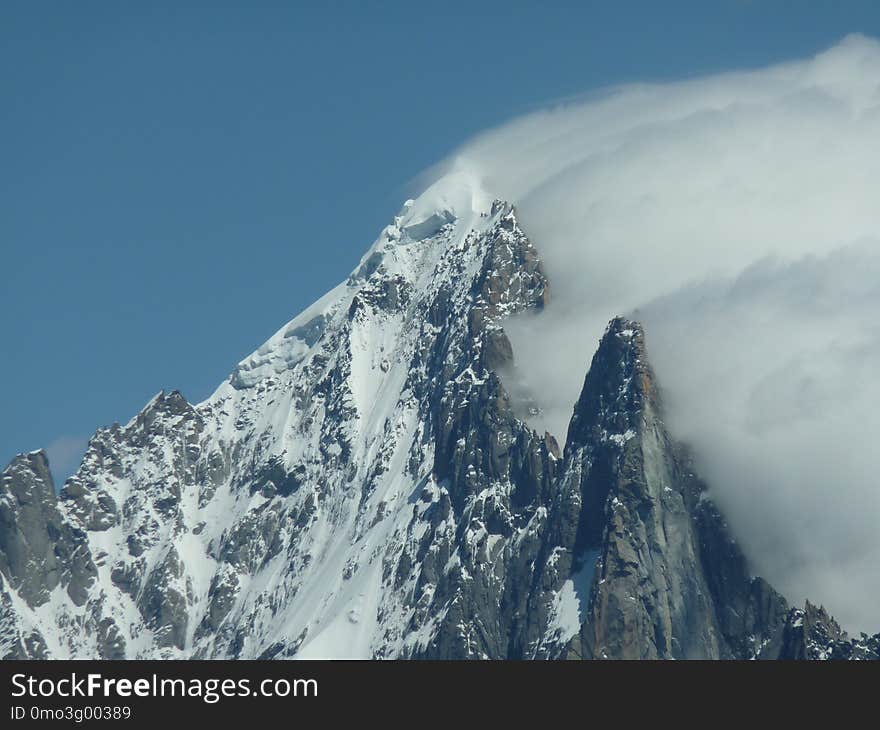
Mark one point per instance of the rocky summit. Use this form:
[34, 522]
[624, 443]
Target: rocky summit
[363, 485]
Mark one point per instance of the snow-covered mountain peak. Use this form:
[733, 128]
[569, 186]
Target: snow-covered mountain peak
[407, 251]
[458, 194]
[285, 515]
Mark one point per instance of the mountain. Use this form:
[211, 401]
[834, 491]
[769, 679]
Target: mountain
[364, 486]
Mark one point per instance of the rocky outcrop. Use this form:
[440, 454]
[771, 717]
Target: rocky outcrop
[660, 575]
[40, 550]
[643, 512]
[493, 472]
[811, 634]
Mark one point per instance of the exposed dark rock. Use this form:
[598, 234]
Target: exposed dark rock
[666, 579]
[39, 548]
[163, 602]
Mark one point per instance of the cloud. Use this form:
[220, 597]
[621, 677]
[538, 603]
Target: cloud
[65, 454]
[771, 377]
[737, 215]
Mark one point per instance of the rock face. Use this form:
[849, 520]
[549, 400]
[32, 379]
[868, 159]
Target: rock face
[665, 580]
[362, 486]
[44, 556]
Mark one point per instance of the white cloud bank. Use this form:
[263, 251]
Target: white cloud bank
[738, 216]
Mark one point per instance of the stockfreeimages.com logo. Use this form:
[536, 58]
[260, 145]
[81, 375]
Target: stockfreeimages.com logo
[112, 688]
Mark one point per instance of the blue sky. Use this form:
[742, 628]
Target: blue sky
[178, 180]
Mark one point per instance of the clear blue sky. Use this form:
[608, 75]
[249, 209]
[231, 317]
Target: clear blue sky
[177, 180]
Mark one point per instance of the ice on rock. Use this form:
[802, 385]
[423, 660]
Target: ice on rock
[430, 226]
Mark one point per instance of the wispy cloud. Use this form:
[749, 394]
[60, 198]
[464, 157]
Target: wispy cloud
[65, 454]
[673, 201]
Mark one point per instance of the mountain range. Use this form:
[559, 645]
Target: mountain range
[364, 486]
